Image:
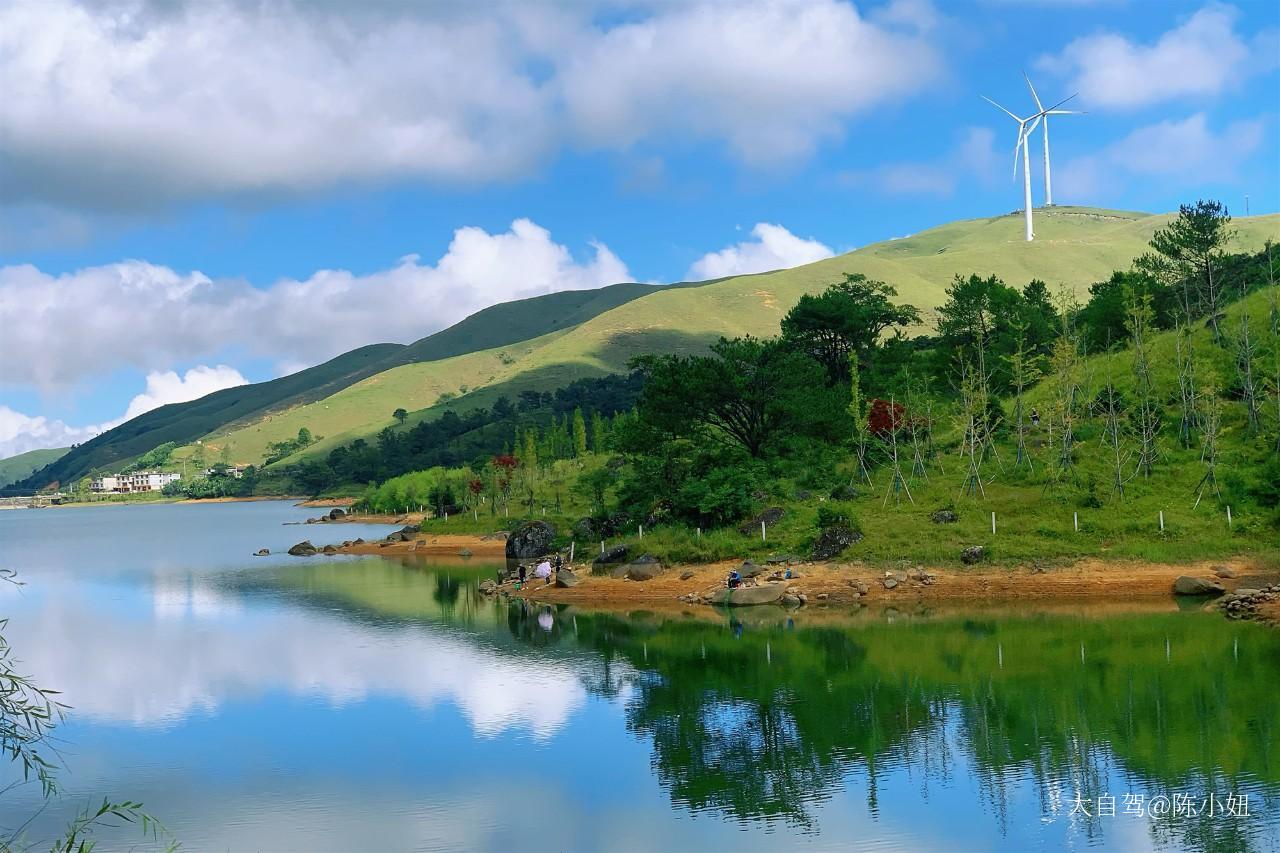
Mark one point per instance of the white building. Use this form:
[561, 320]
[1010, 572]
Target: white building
[105, 484]
[134, 481]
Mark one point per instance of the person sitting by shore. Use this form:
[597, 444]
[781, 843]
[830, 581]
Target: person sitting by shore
[735, 579]
[544, 571]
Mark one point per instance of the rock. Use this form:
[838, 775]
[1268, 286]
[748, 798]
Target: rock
[917, 574]
[488, 587]
[397, 536]
[262, 552]
[749, 570]
[644, 568]
[615, 555]
[863, 589]
[944, 516]
[357, 541]
[566, 578]
[822, 596]
[1187, 585]
[791, 600]
[335, 514]
[890, 583]
[769, 517]
[585, 528]
[303, 549]
[973, 554]
[329, 549]
[833, 540]
[684, 576]
[1245, 592]
[1224, 572]
[746, 596]
[845, 492]
[464, 552]
[531, 539]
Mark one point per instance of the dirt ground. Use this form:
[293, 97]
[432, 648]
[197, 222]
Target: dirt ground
[1095, 583]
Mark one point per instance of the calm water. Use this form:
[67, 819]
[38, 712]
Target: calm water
[357, 703]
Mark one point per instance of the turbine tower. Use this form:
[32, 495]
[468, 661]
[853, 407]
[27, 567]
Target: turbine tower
[1021, 147]
[1048, 182]
[1026, 126]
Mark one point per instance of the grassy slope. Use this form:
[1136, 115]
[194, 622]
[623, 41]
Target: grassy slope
[1074, 247]
[17, 467]
[225, 410]
[1035, 518]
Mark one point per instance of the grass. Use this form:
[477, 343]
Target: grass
[18, 467]
[1074, 247]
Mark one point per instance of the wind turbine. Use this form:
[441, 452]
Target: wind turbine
[1052, 111]
[1021, 146]
[1026, 126]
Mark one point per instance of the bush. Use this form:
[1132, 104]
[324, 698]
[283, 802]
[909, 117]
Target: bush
[830, 514]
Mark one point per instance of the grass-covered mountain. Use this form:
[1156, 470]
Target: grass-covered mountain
[546, 342]
[183, 423]
[1074, 248]
[19, 467]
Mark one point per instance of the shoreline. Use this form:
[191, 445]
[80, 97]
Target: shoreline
[1088, 582]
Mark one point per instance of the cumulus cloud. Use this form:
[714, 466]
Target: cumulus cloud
[774, 247]
[1181, 152]
[141, 315]
[20, 433]
[126, 105]
[165, 387]
[1201, 57]
[772, 79]
[974, 157]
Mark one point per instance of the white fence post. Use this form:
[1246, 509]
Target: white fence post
[1075, 518]
[571, 546]
[641, 531]
[993, 524]
[1228, 515]
[763, 538]
[1161, 521]
[601, 546]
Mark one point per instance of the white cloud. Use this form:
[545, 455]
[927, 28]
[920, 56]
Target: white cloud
[165, 387]
[20, 433]
[973, 158]
[774, 247]
[1181, 152]
[136, 314]
[1201, 57]
[772, 79]
[125, 105]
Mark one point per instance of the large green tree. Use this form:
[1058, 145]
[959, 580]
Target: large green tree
[848, 317]
[1188, 256]
[748, 393]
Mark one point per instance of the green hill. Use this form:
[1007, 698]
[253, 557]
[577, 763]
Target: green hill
[1074, 248]
[183, 423]
[24, 464]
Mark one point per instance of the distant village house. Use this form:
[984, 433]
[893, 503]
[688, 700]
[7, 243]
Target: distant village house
[136, 481]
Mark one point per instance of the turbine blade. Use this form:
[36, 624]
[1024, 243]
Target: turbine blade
[1065, 112]
[1034, 124]
[1039, 105]
[1001, 109]
[1017, 151]
[1060, 103]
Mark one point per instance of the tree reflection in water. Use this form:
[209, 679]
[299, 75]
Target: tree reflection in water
[765, 722]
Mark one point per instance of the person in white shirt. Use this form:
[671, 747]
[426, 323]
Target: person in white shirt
[544, 571]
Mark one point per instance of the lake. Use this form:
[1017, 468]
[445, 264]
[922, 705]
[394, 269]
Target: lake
[358, 703]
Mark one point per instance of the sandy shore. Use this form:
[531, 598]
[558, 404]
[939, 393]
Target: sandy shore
[1092, 583]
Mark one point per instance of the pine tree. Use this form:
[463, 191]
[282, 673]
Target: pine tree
[1246, 349]
[973, 424]
[858, 411]
[1188, 393]
[1210, 433]
[1147, 412]
[1114, 438]
[579, 434]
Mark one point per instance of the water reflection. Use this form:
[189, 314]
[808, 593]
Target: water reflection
[267, 684]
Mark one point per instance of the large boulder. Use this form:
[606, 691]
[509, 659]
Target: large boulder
[335, 514]
[745, 596]
[750, 570]
[531, 539]
[769, 517]
[614, 556]
[303, 549]
[833, 540]
[585, 528]
[946, 515]
[566, 578]
[644, 568]
[973, 555]
[844, 492]
[1187, 585]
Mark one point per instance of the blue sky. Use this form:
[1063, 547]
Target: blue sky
[175, 179]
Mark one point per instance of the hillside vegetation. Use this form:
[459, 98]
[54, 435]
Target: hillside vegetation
[18, 467]
[1074, 248]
